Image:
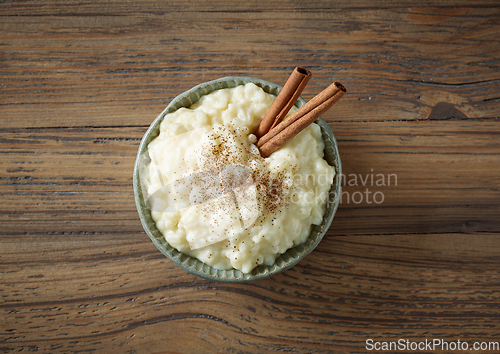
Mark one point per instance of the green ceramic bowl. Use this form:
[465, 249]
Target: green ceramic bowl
[283, 262]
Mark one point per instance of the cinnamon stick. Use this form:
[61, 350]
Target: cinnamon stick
[285, 100]
[300, 119]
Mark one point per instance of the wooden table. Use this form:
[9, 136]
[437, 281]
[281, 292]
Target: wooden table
[412, 255]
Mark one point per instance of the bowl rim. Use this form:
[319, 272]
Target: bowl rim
[194, 266]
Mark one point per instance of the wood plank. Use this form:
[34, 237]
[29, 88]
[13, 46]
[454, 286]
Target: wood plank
[118, 293]
[27, 8]
[399, 177]
[67, 67]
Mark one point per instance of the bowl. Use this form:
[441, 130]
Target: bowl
[285, 261]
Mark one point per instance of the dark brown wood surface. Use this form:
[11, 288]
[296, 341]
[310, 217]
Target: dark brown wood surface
[414, 250]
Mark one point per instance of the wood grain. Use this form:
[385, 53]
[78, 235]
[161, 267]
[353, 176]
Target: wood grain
[120, 64]
[352, 289]
[414, 260]
[399, 177]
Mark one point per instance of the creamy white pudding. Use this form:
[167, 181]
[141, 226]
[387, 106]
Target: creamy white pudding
[215, 198]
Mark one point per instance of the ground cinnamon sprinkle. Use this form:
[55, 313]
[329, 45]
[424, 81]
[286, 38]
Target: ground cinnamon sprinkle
[273, 191]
